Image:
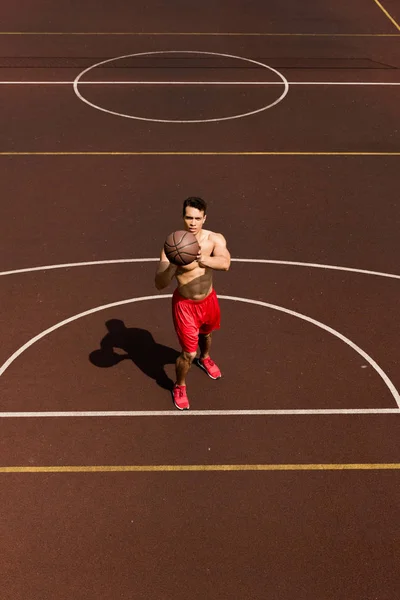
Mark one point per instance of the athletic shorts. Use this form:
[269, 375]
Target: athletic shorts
[194, 317]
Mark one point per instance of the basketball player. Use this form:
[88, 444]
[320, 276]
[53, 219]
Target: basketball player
[195, 307]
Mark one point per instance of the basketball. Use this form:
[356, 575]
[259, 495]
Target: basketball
[181, 248]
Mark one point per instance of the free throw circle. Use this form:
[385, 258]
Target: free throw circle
[81, 97]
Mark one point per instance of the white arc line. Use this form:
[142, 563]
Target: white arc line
[288, 311]
[80, 264]
[315, 266]
[334, 332]
[86, 313]
[199, 413]
[262, 261]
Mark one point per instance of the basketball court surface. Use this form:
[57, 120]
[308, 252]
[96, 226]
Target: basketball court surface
[282, 481]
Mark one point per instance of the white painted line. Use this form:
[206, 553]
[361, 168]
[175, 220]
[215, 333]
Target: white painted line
[86, 313]
[35, 82]
[334, 332]
[283, 79]
[261, 83]
[262, 261]
[142, 82]
[316, 266]
[293, 313]
[79, 264]
[377, 83]
[199, 413]
[195, 34]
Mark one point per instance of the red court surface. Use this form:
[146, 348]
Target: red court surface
[282, 481]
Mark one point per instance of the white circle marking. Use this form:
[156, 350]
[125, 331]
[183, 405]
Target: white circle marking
[293, 313]
[238, 116]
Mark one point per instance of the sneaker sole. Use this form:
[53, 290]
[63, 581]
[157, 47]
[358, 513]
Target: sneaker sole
[198, 363]
[179, 407]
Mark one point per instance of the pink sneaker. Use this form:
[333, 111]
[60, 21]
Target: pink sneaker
[181, 400]
[209, 367]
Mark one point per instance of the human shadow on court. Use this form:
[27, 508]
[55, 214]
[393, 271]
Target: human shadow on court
[138, 346]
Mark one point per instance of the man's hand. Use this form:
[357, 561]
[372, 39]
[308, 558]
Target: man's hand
[220, 259]
[202, 259]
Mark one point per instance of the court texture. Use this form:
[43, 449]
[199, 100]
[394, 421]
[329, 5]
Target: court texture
[282, 481]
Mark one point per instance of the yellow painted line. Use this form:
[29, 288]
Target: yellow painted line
[187, 468]
[182, 153]
[389, 16]
[197, 33]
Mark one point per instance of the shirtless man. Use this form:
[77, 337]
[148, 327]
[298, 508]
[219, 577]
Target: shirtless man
[195, 307]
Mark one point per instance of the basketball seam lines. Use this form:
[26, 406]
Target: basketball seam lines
[176, 246]
[187, 245]
[180, 251]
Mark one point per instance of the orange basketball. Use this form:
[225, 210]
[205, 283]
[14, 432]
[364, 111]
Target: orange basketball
[181, 247]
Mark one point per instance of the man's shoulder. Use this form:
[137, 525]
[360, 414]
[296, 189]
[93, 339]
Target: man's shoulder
[214, 237]
[217, 238]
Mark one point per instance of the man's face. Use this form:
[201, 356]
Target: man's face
[193, 219]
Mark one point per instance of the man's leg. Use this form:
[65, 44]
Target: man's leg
[182, 366]
[205, 344]
[205, 362]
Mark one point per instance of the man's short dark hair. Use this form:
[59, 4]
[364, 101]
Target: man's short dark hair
[195, 202]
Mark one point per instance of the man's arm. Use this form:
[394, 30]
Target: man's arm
[165, 272]
[220, 259]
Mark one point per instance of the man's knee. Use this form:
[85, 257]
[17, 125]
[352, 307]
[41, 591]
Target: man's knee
[187, 356]
[206, 335]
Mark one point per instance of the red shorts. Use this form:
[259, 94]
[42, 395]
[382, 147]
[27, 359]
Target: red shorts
[192, 317]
